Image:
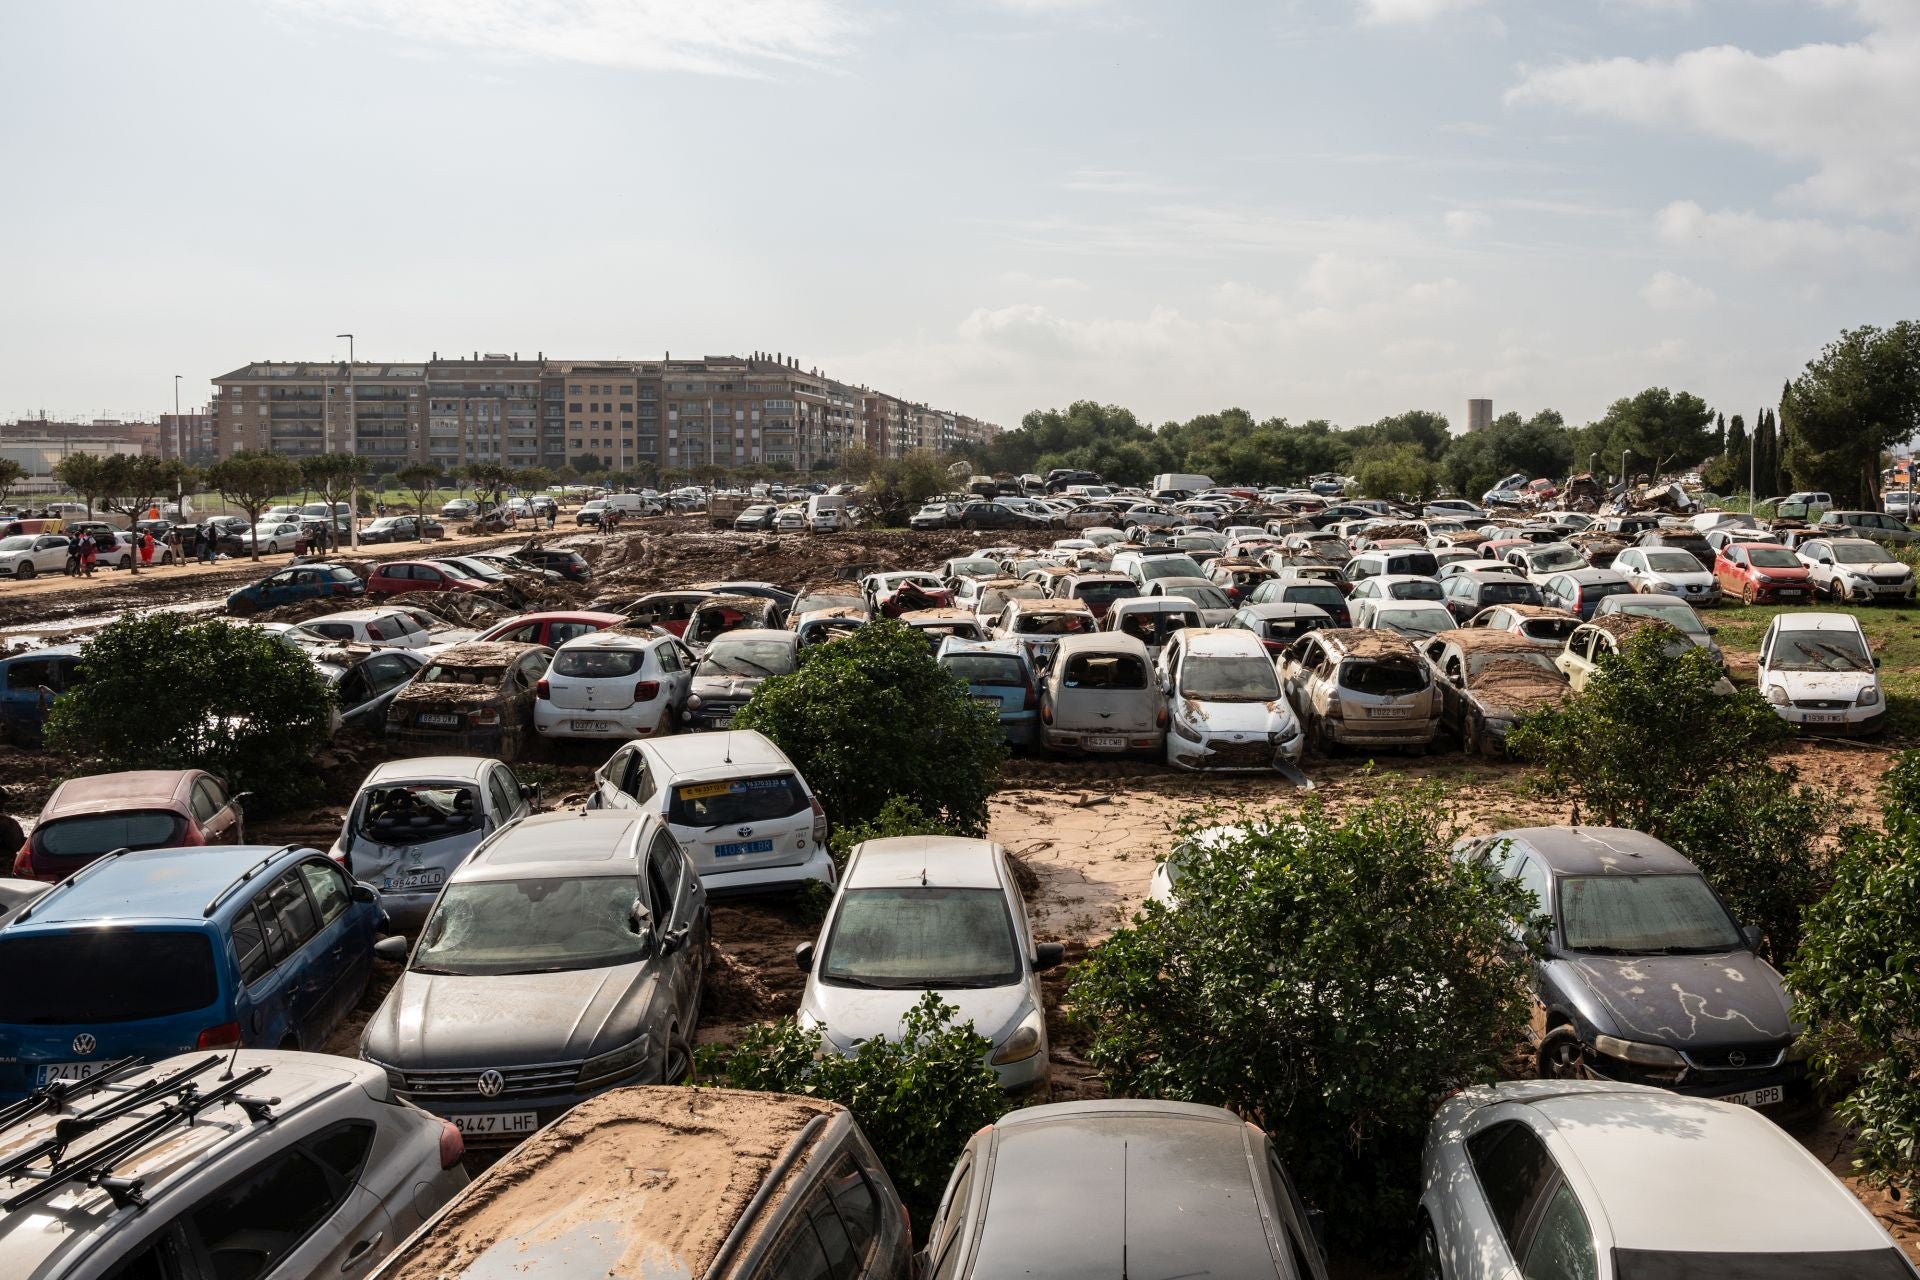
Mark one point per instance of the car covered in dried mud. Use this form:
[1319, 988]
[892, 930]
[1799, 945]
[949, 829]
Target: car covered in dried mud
[1225, 708]
[477, 697]
[1098, 696]
[732, 668]
[720, 613]
[1488, 681]
[1361, 689]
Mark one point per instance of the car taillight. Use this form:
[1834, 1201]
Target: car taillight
[1046, 714]
[1160, 720]
[453, 1147]
[216, 1037]
[543, 690]
[646, 691]
[23, 862]
[819, 821]
[1032, 698]
[193, 834]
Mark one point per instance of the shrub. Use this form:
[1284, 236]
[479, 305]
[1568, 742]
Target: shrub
[1333, 980]
[161, 691]
[873, 716]
[1857, 984]
[899, 816]
[918, 1098]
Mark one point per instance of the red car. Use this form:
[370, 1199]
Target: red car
[551, 629]
[87, 818]
[397, 577]
[670, 610]
[1761, 573]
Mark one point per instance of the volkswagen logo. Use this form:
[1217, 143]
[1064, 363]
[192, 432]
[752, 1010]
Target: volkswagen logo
[744, 832]
[491, 1083]
[1734, 1059]
[84, 1044]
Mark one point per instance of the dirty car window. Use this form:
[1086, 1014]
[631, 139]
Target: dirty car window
[531, 926]
[1638, 914]
[1234, 679]
[922, 937]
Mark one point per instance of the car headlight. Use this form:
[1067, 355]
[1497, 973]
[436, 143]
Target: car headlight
[1644, 1055]
[1777, 695]
[1869, 697]
[609, 1066]
[1022, 1044]
[395, 1081]
[1286, 733]
[693, 702]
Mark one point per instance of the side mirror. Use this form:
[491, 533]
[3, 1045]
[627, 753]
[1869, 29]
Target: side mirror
[1049, 955]
[1713, 631]
[362, 892]
[803, 957]
[394, 948]
[1876, 664]
[640, 920]
[1750, 933]
[239, 798]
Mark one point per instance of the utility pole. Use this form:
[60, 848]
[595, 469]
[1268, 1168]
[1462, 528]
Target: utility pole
[353, 500]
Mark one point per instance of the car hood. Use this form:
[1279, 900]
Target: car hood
[1687, 1001]
[853, 1014]
[726, 688]
[1824, 684]
[1236, 717]
[434, 1021]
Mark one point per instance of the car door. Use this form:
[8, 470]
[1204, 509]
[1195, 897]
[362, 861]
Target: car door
[1574, 661]
[614, 782]
[1518, 1210]
[294, 1212]
[1630, 565]
[504, 801]
[679, 916]
[676, 673]
[288, 919]
[50, 555]
[342, 945]
[217, 815]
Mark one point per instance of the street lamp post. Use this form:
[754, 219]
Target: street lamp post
[353, 430]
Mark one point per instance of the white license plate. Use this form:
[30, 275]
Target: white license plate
[430, 717]
[1791, 593]
[498, 1122]
[723, 722]
[1104, 742]
[987, 699]
[1389, 713]
[1757, 1097]
[1820, 717]
[51, 1072]
[591, 726]
[415, 880]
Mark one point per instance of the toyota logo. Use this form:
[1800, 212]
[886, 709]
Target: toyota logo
[1736, 1059]
[744, 832]
[491, 1084]
[84, 1044]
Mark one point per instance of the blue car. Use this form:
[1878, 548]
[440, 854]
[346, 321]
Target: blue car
[163, 951]
[29, 683]
[997, 671]
[297, 582]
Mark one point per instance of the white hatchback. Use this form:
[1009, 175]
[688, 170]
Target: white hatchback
[1224, 704]
[610, 684]
[382, 628]
[1667, 571]
[1818, 673]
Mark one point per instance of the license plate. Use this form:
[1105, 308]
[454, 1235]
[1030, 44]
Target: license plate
[723, 722]
[1790, 594]
[1389, 713]
[52, 1072]
[1820, 717]
[498, 1122]
[1103, 742]
[984, 698]
[423, 879]
[430, 717]
[1757, 1097]
[742, 846]
[590, 726]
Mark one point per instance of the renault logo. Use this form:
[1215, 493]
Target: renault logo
[1734, 1059]
[492, 1083]
[84, 1044]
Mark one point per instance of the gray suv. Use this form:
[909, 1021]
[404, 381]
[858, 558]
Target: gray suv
[564, 956]
[248, 1163]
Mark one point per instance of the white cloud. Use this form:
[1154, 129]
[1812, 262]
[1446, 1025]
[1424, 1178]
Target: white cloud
[1388, 12]
[1670, 291]
[1108, 181]
[1755, 240]
[1049, 6]
[1843, 110]
[1464, 223]
[716, 37]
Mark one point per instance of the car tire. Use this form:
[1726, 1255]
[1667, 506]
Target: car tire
[1429, 1267]
[126, 562]
[678, 1064]
[25, 571]
[1748, 596]
[1559, 1056]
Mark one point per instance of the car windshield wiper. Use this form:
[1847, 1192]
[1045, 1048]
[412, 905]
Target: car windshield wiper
[848, 980]
[439, 970]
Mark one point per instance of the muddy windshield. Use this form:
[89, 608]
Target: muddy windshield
[1773, 558]
[815, 601]
[922, 937]
[1327, 597]
[1558, 558]
[1419, 589]
[531, 926]
[19, 542]
[1224, 679]
[1637, 915]
[487, 677]
[1820, 651]
[1205, 597]
[1154, 629]
[1677, 614]
[1096, 593]
[998, 669]
[1478, 663]
[1104, 671]
[1861, 553]
[1168, 567]
[1414, 622]
[415, 812]
[1391, 679]
[747, 658]
[88, 835]
[1672, 562]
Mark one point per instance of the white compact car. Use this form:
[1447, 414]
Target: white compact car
[931, 913]
[25, 554]
[1585, 1180]
[1855, 569]
[1225, 708]
[609, 684]
[1667, 571]
[1818, 672]
[381, 628]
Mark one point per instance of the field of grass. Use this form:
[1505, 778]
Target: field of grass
[1893, 632]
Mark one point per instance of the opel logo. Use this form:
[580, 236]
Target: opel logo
[1736, 1059]
[84, 1044]
[491, 1083]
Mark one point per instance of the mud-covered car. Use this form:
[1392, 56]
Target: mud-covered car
[1360, 688]
[1488, 680]
[476, 697]
[1152, 622]
[893, 594]
[732, 668]
[1099, 696]
[939, 624]
[1225, 709]
[1542, 624]
[1039, 625]
[716, 615]
[818, 626]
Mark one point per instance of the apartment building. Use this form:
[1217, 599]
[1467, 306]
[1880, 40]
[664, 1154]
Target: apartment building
[189, 436]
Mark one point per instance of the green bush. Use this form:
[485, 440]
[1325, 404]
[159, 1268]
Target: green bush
[1856, 983]
[1331, 979]
[899, 816]
[918, 1098]
[873, 716]
[161, 691]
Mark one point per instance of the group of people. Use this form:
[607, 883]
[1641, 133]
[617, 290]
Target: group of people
[85, 547]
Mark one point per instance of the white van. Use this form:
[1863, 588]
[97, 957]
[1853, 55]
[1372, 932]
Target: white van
[1178, 480]
[630, 505]
[827, 513]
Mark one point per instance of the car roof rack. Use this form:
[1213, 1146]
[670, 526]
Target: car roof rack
[241, 879]
[56, 1094]
[70, 881]
[94, 1166]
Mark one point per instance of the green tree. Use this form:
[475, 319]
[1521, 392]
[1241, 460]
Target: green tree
[332, 475]
[489, 479]
[1397, 471]
[421, 479]
[162, 691]
[11, 474]
[1662, 429]
[83, 474]
[1766, 456]
[1419, 427]
[873, 716]
[1536, 446]
[1857, 984]
[1858, 399]
[1332, 979]
[134, 485]
[251, 479]
[531, 480]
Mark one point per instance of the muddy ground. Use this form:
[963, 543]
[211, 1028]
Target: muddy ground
[1086, 834]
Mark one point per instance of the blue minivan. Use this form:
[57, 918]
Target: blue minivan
[163, 951]
[29, 684]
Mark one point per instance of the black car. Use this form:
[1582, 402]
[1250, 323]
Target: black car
[399, 529]
[1644, 977]
[1466, 594]
[1176, 1189]
[568, 564]
[997, 515]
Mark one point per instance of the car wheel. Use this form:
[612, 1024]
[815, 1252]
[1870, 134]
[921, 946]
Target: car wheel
[1560, 1056]
[679, 1063]
[1320, 738]
[24, 572]
[273, 548]
[1430, 1268]
[126, 562]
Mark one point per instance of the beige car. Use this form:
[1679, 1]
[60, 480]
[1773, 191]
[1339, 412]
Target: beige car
[1100, 696]
[1362, 689]
[1604, 636]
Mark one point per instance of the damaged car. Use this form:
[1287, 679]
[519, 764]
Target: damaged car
[1362, 689]
[716, 615]
[478, 696]
[1488, 681]
[1099, 696]
[1818, 673]
[1225, 709]
[732, 668]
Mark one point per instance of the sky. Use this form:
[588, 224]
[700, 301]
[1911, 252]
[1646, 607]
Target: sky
[1333, 209]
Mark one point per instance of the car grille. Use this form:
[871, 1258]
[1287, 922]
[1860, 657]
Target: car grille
[1248, 754]
[551, 1077]
[1735, 1057]
[1820, 704]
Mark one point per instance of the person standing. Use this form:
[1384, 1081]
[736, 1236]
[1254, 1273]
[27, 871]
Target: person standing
[146, 548]
[87, 555]
[73, 555]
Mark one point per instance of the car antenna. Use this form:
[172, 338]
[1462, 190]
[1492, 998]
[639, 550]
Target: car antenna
[232, 1058]
[728, 746]
[1123, 1209]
